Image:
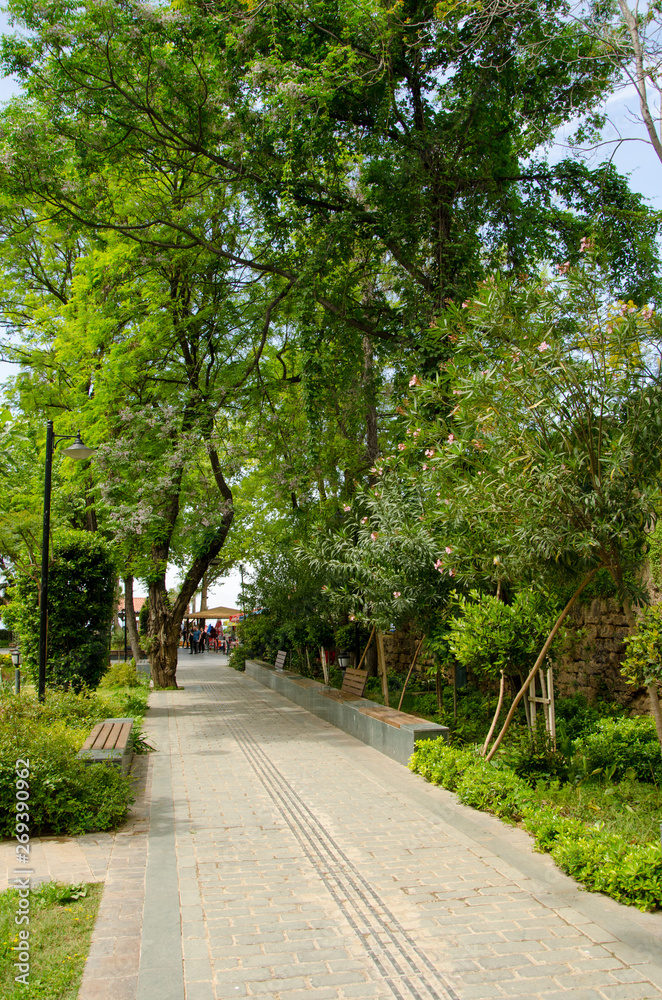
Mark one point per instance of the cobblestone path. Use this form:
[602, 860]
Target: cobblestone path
[288, 861]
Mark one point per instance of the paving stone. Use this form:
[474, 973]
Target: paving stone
[308, 866]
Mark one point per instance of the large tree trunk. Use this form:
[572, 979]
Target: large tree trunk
[164, 633]
[131, 628]
[163, 660]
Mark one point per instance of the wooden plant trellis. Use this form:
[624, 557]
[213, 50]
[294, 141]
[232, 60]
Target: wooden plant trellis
[541, 693]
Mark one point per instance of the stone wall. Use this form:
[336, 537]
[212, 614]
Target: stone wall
[590, 663]
[399, 649]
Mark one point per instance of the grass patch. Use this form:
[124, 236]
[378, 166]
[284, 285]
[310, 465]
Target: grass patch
[631, 809]
[61, 923]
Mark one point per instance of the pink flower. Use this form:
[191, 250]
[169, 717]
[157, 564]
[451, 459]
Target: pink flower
[451, 572]
[438, 566]
[425, 468]
[466, 304]
[563, 268]
[401, 446]
[446, 500]
[429, 452]
[346, 506]
[543, 347]
[324, 588]
[414, 380]
[586, 244]
[396, 593]
[448, 550]
[364, 520]
[352, 618]
[451, 438]
[374, 535]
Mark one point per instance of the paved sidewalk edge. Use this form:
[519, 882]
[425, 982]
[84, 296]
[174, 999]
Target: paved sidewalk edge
[638, 936]
[161, 974]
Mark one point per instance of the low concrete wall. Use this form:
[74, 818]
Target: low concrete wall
[394, 738]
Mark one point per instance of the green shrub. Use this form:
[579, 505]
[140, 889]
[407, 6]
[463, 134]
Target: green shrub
[532, 755]
[120, 675]
[81, 595]
[66, 796]
[603, 861]
[237, 658]
[442, 764]
[616, 745]
[576, 716]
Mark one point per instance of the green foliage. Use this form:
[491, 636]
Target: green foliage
[576, 716]
[619, 745]
[602, 860]
[237, 658]
[294, 612]
[81, 595]
[532, 755]
[120, 675]
[643, 662]
[61, 924]
[66, 796]
[488, 636]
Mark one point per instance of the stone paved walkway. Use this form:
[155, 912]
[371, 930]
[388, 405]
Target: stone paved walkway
[287, 861]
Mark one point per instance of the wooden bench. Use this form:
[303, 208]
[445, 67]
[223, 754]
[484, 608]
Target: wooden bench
[281, 659]
[109, 743]
[354, 682]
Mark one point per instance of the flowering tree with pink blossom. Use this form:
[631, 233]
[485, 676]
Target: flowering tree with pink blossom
[547, 465]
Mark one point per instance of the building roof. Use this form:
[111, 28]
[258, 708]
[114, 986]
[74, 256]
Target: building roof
[137, 604]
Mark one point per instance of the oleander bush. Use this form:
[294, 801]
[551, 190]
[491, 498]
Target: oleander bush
[602, 834]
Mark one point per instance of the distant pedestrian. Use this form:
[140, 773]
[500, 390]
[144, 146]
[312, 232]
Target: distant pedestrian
[196, 639]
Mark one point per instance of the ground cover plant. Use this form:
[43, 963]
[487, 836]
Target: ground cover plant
[603, 833]
[66, 796]
[61, 923]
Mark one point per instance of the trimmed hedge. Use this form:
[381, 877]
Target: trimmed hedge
[603, 862]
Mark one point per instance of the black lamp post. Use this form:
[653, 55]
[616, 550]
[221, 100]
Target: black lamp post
[122, 617]
[16, 660]
[77, 450]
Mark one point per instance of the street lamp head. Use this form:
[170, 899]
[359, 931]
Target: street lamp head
[16, 657]
[78, 450]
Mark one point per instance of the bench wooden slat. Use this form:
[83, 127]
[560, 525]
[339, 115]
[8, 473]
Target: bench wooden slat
[89, 742]
[100, 740]
[125, 734]
[113, 736]
[354, 681]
